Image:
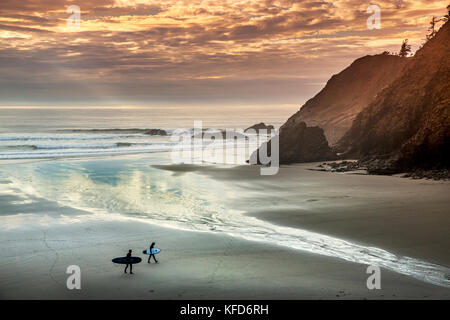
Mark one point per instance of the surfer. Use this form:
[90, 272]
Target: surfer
[129, 262]
[151, 253]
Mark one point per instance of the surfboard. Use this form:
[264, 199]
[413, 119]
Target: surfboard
[154, 251]
[123, 260]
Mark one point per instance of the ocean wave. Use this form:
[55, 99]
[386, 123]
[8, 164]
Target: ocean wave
[70, 138]
[86, 146]
[77, 153]
[74, 146]
[97, 146]
[113, 131]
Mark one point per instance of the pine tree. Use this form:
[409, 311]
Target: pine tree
[447, 16]
[432, 29]
[405, 50]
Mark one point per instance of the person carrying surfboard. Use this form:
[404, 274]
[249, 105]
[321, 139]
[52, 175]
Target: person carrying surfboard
[151, 253]
[129, 262]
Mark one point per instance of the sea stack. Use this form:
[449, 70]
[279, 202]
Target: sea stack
[300, 143]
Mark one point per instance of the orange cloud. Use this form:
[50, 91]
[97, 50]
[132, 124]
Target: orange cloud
[145, 50]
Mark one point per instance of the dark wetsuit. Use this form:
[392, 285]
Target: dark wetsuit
[151, 254]
[128, 263]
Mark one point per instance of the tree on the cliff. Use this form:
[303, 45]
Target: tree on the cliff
[432, 29]
[405, 49]
[434, 26]
[447, 16]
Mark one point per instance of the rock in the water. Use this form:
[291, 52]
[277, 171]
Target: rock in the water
[156, 132]
[260, 126]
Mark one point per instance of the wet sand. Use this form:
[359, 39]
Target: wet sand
[403, 216]
[191, 266]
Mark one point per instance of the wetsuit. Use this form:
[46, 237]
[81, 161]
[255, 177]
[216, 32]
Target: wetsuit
[129, 263]
[151, 254]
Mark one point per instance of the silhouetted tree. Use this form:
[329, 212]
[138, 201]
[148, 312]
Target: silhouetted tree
[447, 16]
[432, 29]
[405, 50]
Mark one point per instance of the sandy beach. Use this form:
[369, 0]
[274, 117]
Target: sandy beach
[405, 217]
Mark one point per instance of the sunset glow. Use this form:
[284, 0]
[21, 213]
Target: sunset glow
[236, 52]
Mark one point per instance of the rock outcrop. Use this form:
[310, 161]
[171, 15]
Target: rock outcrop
[156, 132]
[300, 143]
[303, 138]
[400, 110]
[260, 126]
[346, 94]
[407, 126]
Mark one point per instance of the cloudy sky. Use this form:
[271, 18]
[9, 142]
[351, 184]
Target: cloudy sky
[153, 52]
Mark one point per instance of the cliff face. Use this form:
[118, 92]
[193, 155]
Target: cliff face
[327, 116]
[408, 123]
[348, 93]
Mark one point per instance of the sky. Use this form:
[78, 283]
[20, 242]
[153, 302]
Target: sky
[192, 52]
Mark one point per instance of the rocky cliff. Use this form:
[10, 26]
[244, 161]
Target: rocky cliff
[348, 93]
[407, 126]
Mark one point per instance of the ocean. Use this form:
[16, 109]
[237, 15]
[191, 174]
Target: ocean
[67, 132]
